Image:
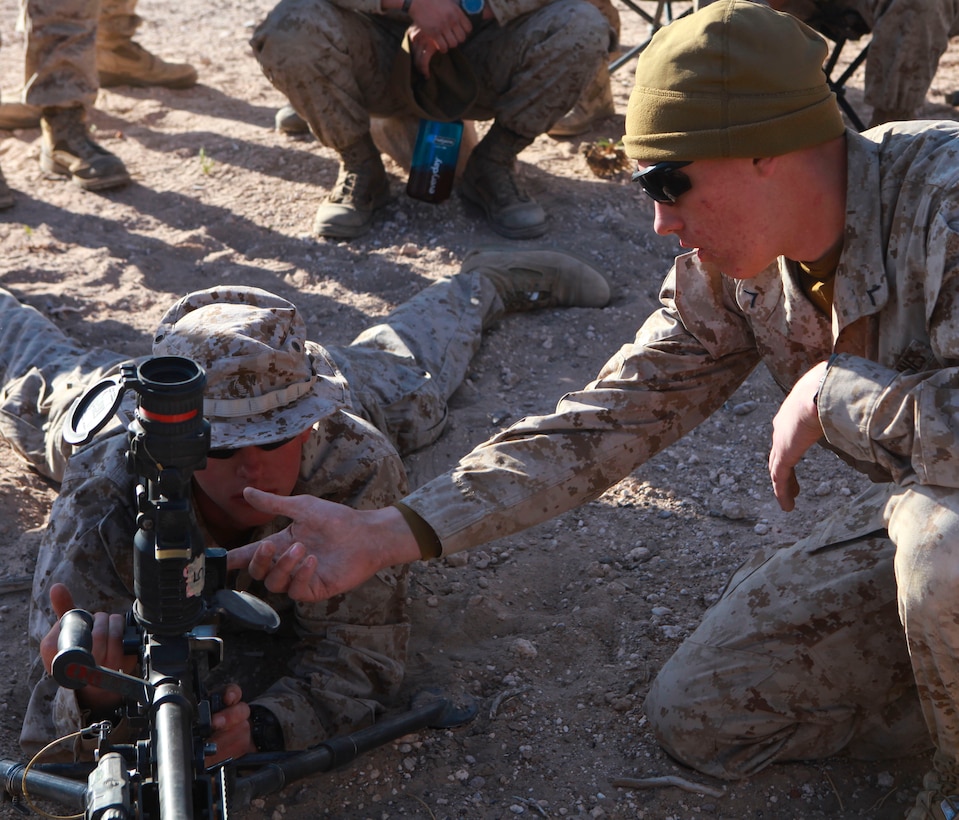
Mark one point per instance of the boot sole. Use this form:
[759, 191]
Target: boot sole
[108, 80]
[531, 232]
[56, 171]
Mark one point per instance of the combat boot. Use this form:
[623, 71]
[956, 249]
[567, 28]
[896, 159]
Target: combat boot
[939, 798]
[361, 189]
[594, 104]
[288, 122]
[539, 278]
[68, 150]
[129, 63]
[489, 181]
[15, 115]
[6, 195]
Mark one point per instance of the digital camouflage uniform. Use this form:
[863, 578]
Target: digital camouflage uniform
[61, 51]
[805, 653]
[336, 66]
[908, 38]
[342, 659]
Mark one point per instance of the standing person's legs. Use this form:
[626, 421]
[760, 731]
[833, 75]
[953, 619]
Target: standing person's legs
[41, 373]
[123, 61]
[801, 658]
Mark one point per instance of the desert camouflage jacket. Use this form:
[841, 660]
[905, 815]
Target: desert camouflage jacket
[332, 665]
[888, 402]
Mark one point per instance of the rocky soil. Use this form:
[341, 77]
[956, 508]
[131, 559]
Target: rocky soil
[554, 634]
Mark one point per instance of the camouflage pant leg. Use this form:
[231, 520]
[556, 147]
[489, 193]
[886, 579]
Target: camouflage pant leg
[41, 373]
[908, 39]
[924, 524]
[61, 52]
[117, 23]
[801, 658]
[333, 65]
[531, 71]
[405, 368]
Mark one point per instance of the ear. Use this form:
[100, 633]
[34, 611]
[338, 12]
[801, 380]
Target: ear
[766, 166]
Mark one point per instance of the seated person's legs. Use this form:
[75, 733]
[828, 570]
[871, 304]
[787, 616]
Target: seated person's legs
[530, 73]
[334, 67]
[803, 657]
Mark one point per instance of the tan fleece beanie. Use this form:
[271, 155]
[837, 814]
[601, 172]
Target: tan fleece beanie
[735, 79]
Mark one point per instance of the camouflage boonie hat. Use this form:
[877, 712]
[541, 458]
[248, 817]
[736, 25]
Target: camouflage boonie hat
[265, 382]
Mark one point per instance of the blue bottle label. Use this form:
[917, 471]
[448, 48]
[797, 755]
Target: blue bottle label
[434, 160]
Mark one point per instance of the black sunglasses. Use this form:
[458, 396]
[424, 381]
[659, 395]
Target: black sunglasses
[664, 182]
[229, 452]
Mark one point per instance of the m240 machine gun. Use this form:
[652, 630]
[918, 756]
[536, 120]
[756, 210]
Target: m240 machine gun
[158, 772]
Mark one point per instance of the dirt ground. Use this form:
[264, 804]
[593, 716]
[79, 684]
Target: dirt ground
[555, 633]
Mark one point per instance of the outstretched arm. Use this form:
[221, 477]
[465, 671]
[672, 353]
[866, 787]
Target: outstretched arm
[327, 550]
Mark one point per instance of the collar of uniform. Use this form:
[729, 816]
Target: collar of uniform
[861, 287]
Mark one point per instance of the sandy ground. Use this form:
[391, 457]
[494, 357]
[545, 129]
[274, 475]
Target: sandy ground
[555, 633]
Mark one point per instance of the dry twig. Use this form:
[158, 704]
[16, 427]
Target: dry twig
[15, 583]
[667, 780]
[506, 694]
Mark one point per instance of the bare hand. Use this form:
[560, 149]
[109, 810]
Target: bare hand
[107, 649]
[796, 428]
[231, 727]
[327, 550]
[441, 21]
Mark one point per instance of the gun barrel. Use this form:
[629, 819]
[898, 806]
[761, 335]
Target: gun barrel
[174, 752]
[71, 794]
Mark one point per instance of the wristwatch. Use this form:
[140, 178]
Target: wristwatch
[473, 8]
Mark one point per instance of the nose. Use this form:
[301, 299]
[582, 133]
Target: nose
[666, 219]
[249, 462]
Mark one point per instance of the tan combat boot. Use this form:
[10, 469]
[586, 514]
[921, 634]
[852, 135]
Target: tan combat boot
[14, 115]
[489, 182]
[361, 189]
[594, 104]
[539, 278]
[6, 195]
[68, 150]
[288, 122]
[939, 798]
[128, 63]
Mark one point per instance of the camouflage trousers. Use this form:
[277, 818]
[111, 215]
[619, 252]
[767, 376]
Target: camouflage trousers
[337, 67]
[908, 38]
[401, 371]
[62, 35]
[846, 642]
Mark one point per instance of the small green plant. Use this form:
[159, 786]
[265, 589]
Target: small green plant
[206, 162]
[28, 231]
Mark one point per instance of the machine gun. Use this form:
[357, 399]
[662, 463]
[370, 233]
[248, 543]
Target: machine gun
[180, 594]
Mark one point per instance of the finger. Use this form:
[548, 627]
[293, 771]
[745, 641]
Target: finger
[262, 560]
[49, 648]
[303, 585]
[240, 557]
[278, 579]
[268, 502]
[232, 694]
[231, 716]
[115, 657]
[101, 637]
[61, 599]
